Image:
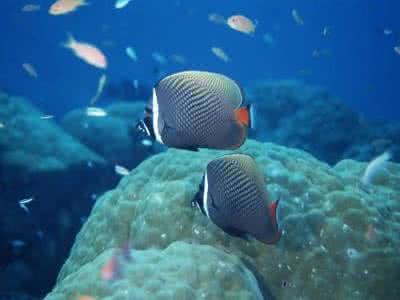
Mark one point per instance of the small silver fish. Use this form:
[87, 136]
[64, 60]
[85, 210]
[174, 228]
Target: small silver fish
[46, 117]
[297, 18]
[220, 53]
[22, 203]
[30, 69]
[100, 87]
[131, 53]
[121, 170]
[119, 4]
[95, 112]
[159, 58]
[17, 243]
[147, 143]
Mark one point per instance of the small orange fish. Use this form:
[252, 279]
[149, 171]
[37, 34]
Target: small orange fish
[61, 7]
[30, 70]
[110, 269]
[87, 52]
[85, 297]
[241, 24]
[30, 7]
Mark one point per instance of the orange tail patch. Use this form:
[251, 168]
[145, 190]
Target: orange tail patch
[242, 115]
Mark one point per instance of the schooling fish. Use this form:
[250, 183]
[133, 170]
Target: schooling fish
[195, 109]
[233, 196]
[61, 7]
[87, 52]
[241, 24]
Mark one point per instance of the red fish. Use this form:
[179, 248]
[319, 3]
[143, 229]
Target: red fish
[111, 269]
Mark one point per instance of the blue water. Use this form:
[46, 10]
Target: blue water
[361, 67]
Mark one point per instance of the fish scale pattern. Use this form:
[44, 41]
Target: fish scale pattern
[241, 201]
[206, 106]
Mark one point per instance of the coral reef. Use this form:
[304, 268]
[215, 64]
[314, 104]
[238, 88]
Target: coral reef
[39, 160]
[309, 118]
[30, 145]
[340, 241]
[180, 271]
[113, 136]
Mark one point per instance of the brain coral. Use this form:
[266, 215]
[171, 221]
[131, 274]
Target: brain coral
[341, 240]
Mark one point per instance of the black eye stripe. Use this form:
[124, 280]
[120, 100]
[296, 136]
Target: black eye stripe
[148, 109]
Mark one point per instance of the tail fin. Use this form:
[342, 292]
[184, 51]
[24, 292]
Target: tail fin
[70, 40]
[252, 112]
[83, 2]
[246, 115]
[274, 213]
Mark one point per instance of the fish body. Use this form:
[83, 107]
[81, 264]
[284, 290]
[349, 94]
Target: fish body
[297, 18]
[17, 243]
[46, 117]
[30, 7]
[242, 24]
[23, 204]
[387, 31]
[85, 297]
[216, 18]
[95, 112]
[268, 39]
[87, 52]
[119, 4]
[121, 170]
[195, 109]
[159, 58]
[61, 7]
[30, 69]
[131, 53]
[220, 53]
[179, 59]
[100, 87]
[233, 196]
[325, 31]
[111, 269]
[374, 166]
